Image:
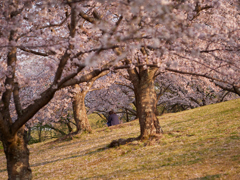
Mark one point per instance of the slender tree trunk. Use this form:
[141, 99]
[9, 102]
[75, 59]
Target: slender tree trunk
[69, 127]
[40, 133]
[17, 155]
[79, 111]
[28, 134]
[127, 115]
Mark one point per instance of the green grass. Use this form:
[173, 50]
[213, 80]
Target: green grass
[198, 144]
[96, 121]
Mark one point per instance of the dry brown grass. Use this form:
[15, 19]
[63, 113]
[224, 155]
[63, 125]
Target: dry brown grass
[199, 144]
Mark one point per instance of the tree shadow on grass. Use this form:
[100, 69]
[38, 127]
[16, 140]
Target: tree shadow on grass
[209, 177]
[83, 153]
[122, 174]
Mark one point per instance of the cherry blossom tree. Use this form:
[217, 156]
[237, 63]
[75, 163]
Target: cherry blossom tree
[78, 103]
[192, 37]
[117, 95]
[185, 37]
[214, 52]
[177, 92]
[41, 29]
[53, 115]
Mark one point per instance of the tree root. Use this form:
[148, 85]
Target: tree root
[116, 143]
[151, 139]
[147, 140]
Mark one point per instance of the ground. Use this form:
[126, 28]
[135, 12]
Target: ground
[198, 144]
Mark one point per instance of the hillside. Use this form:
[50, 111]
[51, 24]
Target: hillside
[198, 144]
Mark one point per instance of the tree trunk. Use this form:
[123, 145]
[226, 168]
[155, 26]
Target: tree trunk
[79, 111]
[28, 134]
[127, 118]
[40, 133]
[69, 127]
[146, 108]
[146, 101]
[17, 155]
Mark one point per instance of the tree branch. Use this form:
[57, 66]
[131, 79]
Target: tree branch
[37, 53]
[32, 109]
[198, 9]
[55, 129]
[69, 77]
[87, 18]
[16, 98]
[233, 89]
[4, 127]
[56, 25]
[125, 85]
[201, 75]
[9, 82]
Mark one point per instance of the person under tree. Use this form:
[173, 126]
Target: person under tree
[112, 119]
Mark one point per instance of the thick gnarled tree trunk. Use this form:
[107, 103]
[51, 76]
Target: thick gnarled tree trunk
[146, 106]
[146, 101]
[14, 139]
[17, 155]
[79, 110]
[78, 104]
[12, 132]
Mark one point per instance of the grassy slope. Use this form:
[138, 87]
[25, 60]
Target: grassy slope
[202, 143]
